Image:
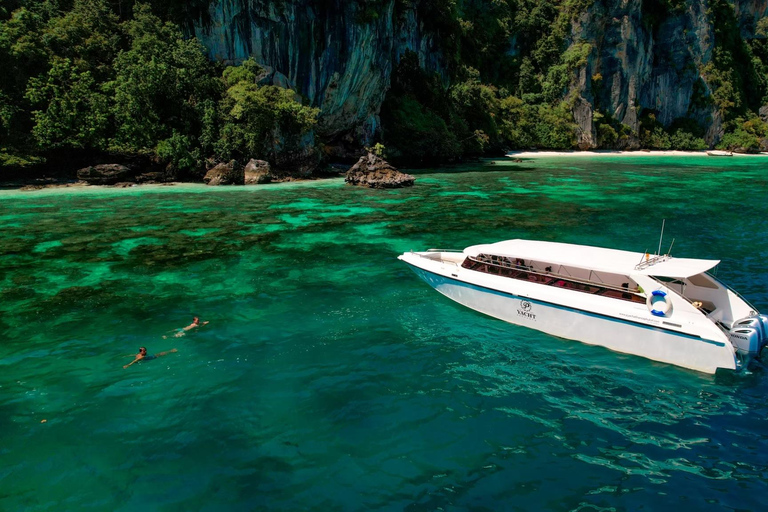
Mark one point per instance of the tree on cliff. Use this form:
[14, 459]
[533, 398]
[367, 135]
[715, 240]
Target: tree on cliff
[91, 75]
[163, 84]
[78, 79]
[256, 119]
[72, 99]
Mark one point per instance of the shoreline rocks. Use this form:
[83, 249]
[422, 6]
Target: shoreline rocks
[257, 172]
[104, 174]
[230, 173]
[375, 172]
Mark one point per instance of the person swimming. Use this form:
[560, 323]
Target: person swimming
[182, 331]
[143, 356]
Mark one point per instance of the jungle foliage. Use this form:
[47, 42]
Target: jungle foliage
[519, 56]
[126, 77]
[99, 76]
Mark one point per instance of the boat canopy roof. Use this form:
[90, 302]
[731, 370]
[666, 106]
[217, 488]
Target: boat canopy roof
[593, 258]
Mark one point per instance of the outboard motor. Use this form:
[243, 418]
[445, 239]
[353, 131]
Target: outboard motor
[764, 320]
[747, 340]
[755, 323]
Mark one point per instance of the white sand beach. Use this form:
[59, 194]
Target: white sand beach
[597, 153]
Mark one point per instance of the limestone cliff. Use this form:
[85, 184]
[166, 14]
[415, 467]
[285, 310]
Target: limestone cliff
[336, 55]
[645, 65]
[646, 55]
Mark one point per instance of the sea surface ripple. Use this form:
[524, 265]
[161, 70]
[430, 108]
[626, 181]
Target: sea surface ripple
[331, 378]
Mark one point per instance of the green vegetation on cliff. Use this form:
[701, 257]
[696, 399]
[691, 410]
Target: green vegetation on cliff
[78, 79]
[91, 77]
[523, 56]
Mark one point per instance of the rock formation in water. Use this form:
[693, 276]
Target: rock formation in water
[257, 172]
[230, 173]
[375, 172]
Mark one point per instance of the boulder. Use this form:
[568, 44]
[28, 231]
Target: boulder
[257, 172]
[230, 173]
[373, 171]
[104, 174]
[763, 112]
[154, 177]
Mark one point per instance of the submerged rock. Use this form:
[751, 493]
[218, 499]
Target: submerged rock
[104, 174]
[257, 172]
[230, 173]
[375, 172]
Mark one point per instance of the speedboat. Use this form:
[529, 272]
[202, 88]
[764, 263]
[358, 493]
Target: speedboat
[718, 152]
[656, 306]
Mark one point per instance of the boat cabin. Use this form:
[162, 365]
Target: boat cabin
[583, 280]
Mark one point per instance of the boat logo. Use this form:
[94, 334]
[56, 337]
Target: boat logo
[525, 310]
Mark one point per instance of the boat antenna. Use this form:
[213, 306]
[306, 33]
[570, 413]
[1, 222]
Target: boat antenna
[670, 247]
[662, 236]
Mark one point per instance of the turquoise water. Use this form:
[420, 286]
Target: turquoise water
[331, 378]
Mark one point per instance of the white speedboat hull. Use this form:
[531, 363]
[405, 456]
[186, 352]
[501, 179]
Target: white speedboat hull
[660, 307]
[594, 329]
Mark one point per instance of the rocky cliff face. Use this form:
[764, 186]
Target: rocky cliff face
[649, 61]
[748, 13]
[337, 56]
[341, 58]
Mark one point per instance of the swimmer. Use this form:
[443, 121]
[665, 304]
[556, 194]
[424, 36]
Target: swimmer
[183, 331]
[142, 356]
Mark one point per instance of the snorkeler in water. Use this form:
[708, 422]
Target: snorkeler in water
[143, 356]
[183, 330]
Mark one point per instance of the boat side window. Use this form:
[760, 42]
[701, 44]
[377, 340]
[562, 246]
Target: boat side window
[471, 264]
[501, 266]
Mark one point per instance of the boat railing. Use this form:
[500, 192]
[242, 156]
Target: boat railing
[652, 261]
[719, 282]
[445, 250]
[549, 277]
[709, 308]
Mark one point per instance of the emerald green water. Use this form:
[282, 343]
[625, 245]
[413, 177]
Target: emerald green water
[331, 378]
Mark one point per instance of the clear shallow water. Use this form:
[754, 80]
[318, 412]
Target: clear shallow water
[331, 378]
